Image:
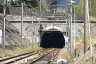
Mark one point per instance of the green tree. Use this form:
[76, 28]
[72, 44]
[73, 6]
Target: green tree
[79, 8]
[72, 8]
[1, 1]
[92, 7]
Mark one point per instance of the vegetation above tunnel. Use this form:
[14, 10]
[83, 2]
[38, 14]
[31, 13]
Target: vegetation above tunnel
[80, 7]
[33, 3]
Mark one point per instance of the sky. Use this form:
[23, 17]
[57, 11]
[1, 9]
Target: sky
[13, 0]
[0, 36]
[64, 2]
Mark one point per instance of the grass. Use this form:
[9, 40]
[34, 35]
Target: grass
[93, 40]
[78, 51]
[10, 52]
[89, 61]
[92, 18]
[1, 13]
[80, 42]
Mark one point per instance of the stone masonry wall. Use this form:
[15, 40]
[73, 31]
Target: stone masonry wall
[27, 29]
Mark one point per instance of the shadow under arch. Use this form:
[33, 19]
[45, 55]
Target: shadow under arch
[52, 38]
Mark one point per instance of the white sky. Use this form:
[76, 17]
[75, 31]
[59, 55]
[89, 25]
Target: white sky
[0, 35]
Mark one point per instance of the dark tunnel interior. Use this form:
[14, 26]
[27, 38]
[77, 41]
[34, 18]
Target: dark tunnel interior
[52, 39]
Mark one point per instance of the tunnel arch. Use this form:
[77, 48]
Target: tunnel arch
[52, 39]
[54, 27]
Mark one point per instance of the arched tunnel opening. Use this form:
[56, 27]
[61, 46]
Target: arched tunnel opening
[52, 39]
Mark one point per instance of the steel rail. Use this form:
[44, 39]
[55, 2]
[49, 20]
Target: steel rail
[21, 58]
[41, 57]
[15, 56]
[53, 57]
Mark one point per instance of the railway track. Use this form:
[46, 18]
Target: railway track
[46, 57]
[12, 59]
[17, 57]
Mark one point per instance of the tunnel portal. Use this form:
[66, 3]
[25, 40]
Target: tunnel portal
[52, 39]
